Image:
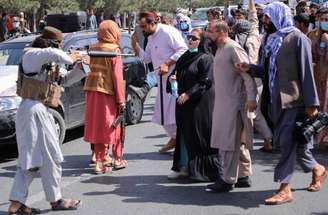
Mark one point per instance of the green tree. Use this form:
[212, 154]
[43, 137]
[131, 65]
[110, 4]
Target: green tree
[14, 6]
[60, 6]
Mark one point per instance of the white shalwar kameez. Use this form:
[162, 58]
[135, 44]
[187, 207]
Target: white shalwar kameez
[166, 43]
[37, 137]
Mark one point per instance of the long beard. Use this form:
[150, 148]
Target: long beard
[270, 28]
[146, 34]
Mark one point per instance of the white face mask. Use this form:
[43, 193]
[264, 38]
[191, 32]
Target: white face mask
[317, 24]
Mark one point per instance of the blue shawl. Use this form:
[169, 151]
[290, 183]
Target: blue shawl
[280, 15]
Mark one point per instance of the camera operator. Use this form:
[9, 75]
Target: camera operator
[290, 94]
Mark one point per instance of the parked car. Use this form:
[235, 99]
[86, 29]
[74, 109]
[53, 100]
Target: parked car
[199, 18]
[70, 113]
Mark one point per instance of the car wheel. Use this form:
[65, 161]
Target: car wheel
[134, 107]
[59, 124]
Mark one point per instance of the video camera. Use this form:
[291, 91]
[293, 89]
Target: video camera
[310, 127]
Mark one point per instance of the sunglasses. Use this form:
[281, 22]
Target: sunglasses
[193, 37]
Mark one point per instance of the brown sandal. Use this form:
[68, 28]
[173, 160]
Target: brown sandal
[101, 168]
[279, 198]
[120, 164]
[109, 162]
[317, 182]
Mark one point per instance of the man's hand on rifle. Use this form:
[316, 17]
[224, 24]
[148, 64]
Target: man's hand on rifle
[86, 60]
[75, 56]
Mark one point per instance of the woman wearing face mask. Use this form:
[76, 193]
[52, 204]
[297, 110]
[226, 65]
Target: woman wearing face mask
[194, 75]
[319, 40]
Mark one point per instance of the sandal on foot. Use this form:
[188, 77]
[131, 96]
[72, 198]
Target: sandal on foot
[317, 182]
[109, 162]
[24, 210]
[66, 204]
[279, 198]
[104, 170]
[120, 164]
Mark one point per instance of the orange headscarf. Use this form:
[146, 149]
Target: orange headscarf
[109, 32]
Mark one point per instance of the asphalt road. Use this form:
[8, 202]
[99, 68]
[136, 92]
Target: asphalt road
[143, 188]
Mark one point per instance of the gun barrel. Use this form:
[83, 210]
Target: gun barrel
[107, 54]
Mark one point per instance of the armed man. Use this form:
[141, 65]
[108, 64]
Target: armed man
[40, 82]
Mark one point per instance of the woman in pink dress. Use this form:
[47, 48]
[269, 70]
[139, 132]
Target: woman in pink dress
[105, 98]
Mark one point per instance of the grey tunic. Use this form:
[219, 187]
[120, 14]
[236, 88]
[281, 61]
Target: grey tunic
[35, 127]
[230, 90]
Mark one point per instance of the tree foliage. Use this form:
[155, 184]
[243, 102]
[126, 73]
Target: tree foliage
[109, 6]
[14, 6]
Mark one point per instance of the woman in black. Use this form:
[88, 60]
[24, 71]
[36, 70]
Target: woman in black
[194, 75]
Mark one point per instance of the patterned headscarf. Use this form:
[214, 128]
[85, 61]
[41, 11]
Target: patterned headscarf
[242, 29]
[109, 32]
[280, 15]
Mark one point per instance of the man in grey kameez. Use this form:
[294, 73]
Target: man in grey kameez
[292, 97]
[37, 137]
[234, 94]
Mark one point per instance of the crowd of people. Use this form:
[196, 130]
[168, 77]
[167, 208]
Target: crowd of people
[215, 86]
[233, 77]
[11, 25]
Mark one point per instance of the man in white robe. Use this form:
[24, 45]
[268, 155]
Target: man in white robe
[165, 46]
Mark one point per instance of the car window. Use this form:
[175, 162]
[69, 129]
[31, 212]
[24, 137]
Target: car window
[11, 55]
[4, 55]
[199, 15]
[80, 44]
[126, 45]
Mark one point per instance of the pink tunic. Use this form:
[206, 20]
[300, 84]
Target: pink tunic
[101, 110]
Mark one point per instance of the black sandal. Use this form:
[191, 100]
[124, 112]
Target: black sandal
[22, 210]
[60, 205]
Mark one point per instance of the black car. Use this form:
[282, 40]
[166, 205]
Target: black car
[70, 113]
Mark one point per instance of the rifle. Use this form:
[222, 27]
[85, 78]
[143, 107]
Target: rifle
[120, 120]
[104, 54]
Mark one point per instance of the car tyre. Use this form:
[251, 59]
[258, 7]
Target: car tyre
[60, 124]
[134, 107]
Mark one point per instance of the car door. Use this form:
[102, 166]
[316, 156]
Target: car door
[75, 93]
